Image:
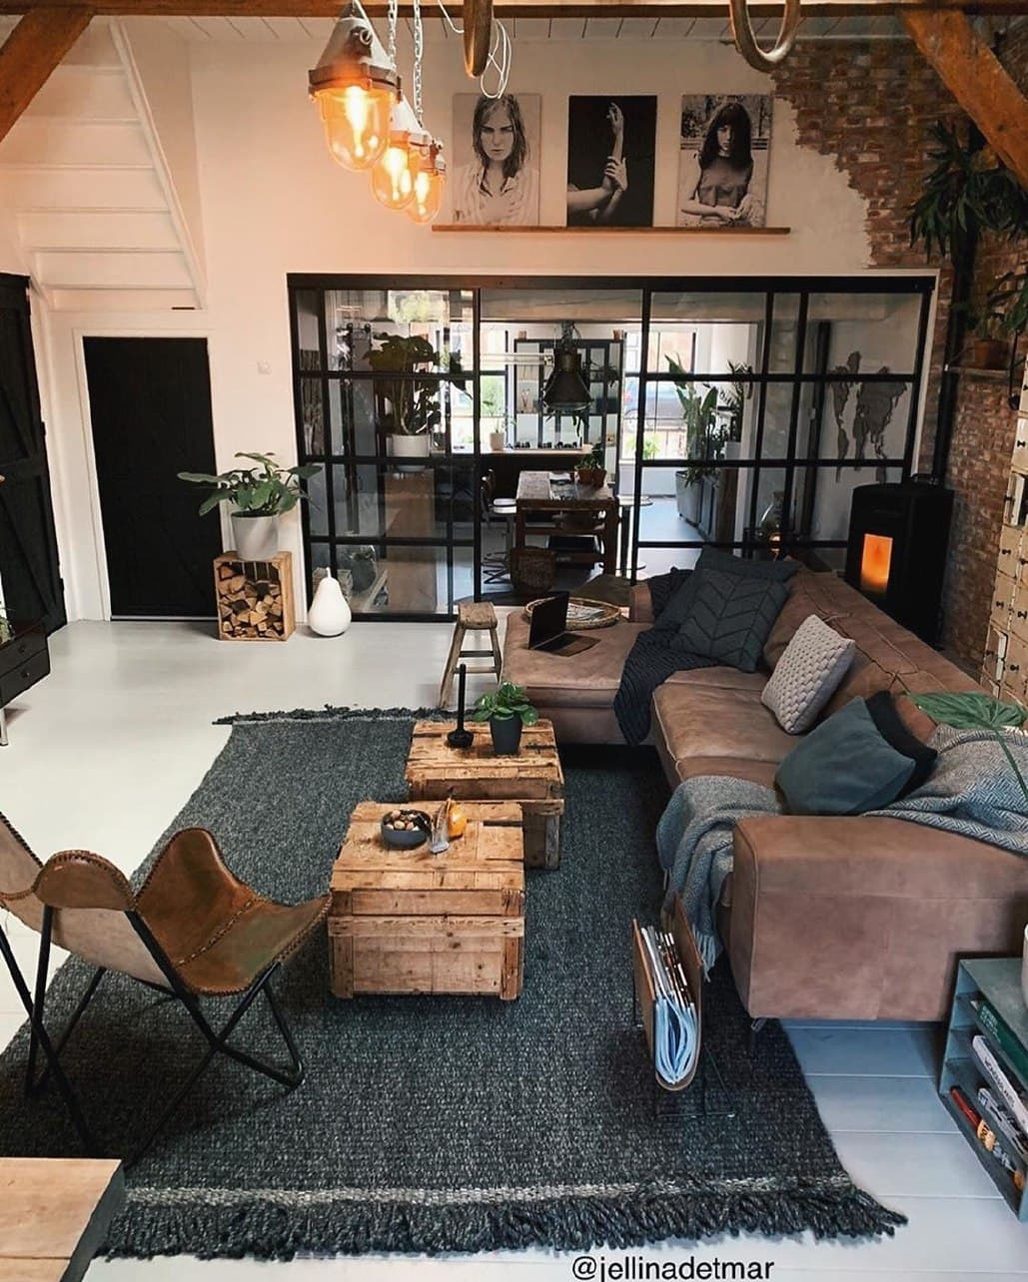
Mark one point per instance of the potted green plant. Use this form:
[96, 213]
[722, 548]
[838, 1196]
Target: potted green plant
[968, 710]
[591, 468]
[703, 441]
[506, 709]
[968, 191]
[408, 404]
[259, 496]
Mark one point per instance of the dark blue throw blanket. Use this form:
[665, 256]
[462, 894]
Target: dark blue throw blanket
[654, 657]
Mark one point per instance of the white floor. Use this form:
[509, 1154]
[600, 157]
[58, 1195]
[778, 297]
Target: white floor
[105, 751]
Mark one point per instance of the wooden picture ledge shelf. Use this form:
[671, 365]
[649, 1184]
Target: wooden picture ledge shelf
[554, 229]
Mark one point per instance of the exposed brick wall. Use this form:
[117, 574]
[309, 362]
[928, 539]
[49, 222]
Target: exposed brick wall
[871, 106]
[983, 438]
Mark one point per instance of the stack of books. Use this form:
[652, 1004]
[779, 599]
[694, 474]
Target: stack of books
[999, 1113]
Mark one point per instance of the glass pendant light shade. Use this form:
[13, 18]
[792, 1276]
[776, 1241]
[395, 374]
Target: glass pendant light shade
[355, 86]
[429, 182]
[409, 147]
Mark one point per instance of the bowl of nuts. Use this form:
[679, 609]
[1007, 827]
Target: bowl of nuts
[406, 829]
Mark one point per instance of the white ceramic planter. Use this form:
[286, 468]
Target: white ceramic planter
[410, 446]
[497, 442]
[256, 537]
[329, 614]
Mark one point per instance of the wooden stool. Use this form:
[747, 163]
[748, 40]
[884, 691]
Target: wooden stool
[472, 616]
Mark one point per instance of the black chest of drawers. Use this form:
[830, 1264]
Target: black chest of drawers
[24, 660]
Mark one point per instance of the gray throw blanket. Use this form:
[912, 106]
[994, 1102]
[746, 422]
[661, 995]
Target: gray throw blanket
[972, 792]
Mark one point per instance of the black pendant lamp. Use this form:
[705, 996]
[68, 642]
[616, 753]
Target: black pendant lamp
[565, 389]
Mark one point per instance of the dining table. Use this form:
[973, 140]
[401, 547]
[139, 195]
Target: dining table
[544, 502]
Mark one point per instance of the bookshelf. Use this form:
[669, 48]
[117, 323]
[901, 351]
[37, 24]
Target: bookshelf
[998, 980]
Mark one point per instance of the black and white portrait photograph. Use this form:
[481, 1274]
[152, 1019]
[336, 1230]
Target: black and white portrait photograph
[723, 165]
[496, 158]
[611, 145]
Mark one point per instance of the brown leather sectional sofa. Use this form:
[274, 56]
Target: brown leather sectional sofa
[827, 918]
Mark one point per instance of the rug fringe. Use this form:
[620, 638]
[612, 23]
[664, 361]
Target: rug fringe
[270, 1231]
[331, 713]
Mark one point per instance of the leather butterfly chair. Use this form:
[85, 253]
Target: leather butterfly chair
[194, 930]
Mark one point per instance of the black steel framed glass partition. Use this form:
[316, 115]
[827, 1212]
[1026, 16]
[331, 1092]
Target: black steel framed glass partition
[740, 412]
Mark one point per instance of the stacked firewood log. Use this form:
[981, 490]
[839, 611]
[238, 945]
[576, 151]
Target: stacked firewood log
[254, 598]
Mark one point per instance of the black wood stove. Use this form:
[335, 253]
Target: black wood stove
[898, 540]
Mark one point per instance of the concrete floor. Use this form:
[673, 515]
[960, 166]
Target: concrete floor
[105, 752]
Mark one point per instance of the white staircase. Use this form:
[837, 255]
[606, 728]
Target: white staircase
[87, 191]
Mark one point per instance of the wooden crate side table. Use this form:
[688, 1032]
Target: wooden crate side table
[533, 778]
[254, 598]
[408, 921]
[998, 980]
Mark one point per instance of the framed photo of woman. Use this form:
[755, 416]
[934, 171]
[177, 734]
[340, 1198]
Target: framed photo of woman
[496, 159]
[611, 152]
[723, 163]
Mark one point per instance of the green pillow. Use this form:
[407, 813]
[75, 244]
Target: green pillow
[845, 766]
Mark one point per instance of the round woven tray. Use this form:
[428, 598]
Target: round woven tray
[576, 623]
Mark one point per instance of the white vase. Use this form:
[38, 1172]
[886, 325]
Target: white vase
[329, 614]
[256, 537]
[497, 442]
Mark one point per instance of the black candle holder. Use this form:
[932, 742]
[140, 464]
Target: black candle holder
[460, 738]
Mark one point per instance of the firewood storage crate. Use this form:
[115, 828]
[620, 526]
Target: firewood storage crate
[408, 921]
[254, 598]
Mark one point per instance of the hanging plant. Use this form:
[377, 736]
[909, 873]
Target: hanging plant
[968, 190]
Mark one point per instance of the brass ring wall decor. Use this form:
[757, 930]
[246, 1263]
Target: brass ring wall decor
[746, 41]
[477, 21]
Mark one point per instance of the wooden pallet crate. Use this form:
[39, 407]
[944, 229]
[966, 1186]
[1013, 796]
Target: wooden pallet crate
[254, 598]
[408, 921]
[533, 778]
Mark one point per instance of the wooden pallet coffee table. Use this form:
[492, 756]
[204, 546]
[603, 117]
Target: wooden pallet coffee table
[408, 921]
[533, 778]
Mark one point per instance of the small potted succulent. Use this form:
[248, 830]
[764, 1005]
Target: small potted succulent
[506, 709]
[258, 496]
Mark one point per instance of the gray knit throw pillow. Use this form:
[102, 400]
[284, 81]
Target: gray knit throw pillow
[808, 673]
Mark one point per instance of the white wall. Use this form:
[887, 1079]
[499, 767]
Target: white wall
[273, 202]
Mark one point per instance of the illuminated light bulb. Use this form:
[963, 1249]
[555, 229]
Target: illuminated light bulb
[409, 148]
[356, 124]
[428, 188]
[355, 86]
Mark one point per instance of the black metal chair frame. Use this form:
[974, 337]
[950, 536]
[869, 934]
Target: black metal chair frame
[217, 1040]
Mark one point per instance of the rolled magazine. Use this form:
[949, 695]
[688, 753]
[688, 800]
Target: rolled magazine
[676, 1025]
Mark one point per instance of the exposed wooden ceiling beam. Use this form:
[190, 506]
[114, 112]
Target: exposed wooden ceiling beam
[32, 50]
[977, 79]
[520, 8]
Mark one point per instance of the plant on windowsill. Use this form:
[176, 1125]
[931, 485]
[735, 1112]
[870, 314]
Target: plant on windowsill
[506, 709]
[259, 496]
[410, 404]
[704, 442]
[970, 711]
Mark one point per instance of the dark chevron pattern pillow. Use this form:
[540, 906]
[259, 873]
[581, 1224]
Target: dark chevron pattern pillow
[731, 617]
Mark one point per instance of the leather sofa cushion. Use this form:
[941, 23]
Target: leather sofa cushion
[719, 678]
[762, 772]
[588, 680]
[705, 721]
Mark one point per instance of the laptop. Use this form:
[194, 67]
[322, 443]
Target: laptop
[549, 632]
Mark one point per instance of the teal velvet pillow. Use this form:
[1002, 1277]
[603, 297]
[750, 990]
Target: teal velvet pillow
[845, 766]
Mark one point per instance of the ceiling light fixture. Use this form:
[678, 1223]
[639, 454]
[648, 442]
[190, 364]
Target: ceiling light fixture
[430, 178]
[565, 389]
[355, 85]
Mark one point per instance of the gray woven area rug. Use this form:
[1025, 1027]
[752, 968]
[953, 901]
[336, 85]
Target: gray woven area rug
[440, 1124]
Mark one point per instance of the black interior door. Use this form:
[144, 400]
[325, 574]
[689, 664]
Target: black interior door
[29, 569]
[150, 406]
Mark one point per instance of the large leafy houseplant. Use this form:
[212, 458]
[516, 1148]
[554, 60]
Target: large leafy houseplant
[704, 438]
[968, 191]
[266, 490]
[412, 396]
[970, 711]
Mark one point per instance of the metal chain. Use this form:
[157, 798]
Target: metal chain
[419, 53]
[394, 18]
